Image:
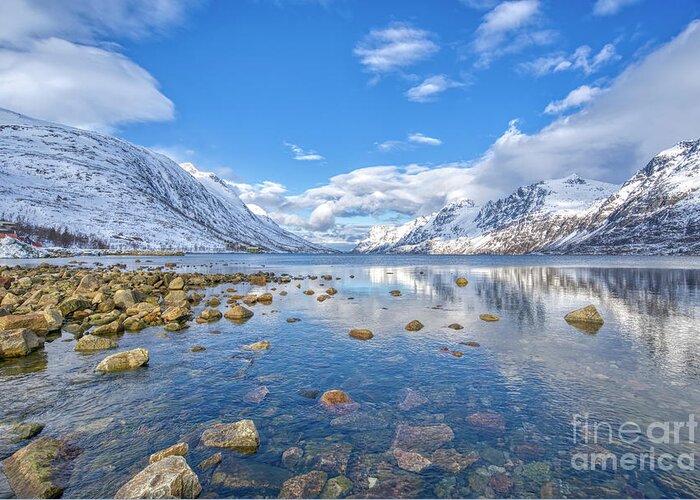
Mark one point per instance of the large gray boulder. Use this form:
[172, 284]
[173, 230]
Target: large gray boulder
[127, 360]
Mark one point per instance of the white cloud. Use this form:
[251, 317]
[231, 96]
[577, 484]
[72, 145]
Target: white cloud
[22, 21]
[650, 106]
[78, 85]
[55, 64]
[430, 88]
[507, 29]
[392, 145]
[582, 59]
[610, 7]
[393, 48]
[302, 154]
[576, 98]
[424, 139]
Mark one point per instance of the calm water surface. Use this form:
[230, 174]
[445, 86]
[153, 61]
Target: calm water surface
[532, 370]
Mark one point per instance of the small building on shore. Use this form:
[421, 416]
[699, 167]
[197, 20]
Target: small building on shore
[10, 230]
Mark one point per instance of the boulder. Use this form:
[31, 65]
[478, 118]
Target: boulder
[395, 293]
[331, 291]
[361, 334]
[414, 326]
[307, 485]
[19, 342]
[488, 317]
[455, 326]
[177, 284]
[179, 449]
[265, 298]
[258, 346]
[123, 299]
[126, 360]
[588, 314]
[176, 313]
[214, 459]
[170, 477]
[69, 306]
[112, 328]
[210, 315]
[462, 281]
[488, 420]
[34, 321]
[27, 430]
[241, 436]
[237, 312]
[54, 318]
[40, 469]
[133, 324]
[175, 297]
[292, 457]
[94, 343]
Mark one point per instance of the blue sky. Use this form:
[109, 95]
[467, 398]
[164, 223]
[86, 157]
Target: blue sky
[281, 97]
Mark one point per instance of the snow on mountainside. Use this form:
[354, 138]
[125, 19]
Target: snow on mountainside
[90, 184]
[656, 212]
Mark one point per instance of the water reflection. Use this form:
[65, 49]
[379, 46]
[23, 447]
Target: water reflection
[510, 399]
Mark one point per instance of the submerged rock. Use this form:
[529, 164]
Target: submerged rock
[453, 461]
[412, 399]
[361, 334]
[410, 461]
[210, 461]
[41, 469]
[455, 326]
[246, 475]
[422, 439]
[241, 436]
[337, 487]
[257, 395]
[170, 477]
[292, 457]
[27, 430]
[126, 360]
[304, 486]
[179, 449]
[488, 420]
[395, 293]
[414, 326]
[19, 342]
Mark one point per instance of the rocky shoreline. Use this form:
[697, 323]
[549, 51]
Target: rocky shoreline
[96, 305]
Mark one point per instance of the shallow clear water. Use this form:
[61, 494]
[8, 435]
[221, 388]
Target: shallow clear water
[531, 368]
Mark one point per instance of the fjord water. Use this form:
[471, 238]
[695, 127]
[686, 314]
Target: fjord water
[531, 368]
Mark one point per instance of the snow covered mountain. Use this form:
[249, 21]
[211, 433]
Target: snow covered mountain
[655, 212]
[127, 196]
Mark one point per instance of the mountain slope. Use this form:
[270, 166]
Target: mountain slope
[657, 210]
[528, 220]
[125, 195]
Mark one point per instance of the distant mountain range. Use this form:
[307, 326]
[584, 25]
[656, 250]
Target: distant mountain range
[104, 189]
[657, 211]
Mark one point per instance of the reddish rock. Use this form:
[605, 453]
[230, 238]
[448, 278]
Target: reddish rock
[488, 420]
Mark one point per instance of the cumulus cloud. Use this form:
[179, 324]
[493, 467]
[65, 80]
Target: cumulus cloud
[57, 62]
[430, 88]
[582, 59]
[424, 139]
[302, 154]
[609, 139]
[576, 98]
[396, 47]
[610, 7]
[507, 29]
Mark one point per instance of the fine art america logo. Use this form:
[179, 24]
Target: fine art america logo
[591, 437]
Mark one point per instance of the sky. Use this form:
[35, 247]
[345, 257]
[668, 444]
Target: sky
[334, 115]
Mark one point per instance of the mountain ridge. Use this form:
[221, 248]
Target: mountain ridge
[657, 211]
